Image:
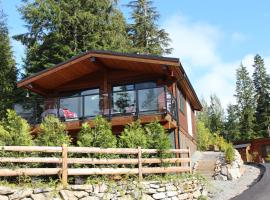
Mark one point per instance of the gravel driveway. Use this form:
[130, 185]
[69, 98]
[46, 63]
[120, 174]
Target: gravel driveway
[225, 190]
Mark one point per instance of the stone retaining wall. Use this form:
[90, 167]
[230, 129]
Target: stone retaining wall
[150, 190]
[232, 171]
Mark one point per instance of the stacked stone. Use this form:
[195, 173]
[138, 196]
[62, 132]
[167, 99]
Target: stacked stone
[229, 171]
[147, 190]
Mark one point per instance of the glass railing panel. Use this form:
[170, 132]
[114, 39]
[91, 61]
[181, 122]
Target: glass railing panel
[70, 108]
[123, 102]
[151, 100]
[91, 105]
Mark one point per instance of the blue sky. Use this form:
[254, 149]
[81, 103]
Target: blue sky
[211, 38]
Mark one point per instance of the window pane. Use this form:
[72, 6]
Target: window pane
[91, 105]
[145, 85]
[124, 102]
[71, 107]
[92, 91]
[123, 88]
[148, 100]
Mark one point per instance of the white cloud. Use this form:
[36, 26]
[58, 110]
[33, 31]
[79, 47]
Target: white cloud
[238, 37]
[195, 42]
[197, 45]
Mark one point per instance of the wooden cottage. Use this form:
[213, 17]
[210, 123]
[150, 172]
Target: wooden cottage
[121, 87]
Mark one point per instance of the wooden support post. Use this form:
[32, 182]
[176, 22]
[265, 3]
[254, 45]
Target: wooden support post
[64, 166]
[140, 163]
[189, 163]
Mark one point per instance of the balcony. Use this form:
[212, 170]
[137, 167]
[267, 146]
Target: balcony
[121, 106]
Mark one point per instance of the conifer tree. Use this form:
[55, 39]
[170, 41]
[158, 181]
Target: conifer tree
[261, 82]
[146, 36]
[59, 30]
[216, 115]
[232, 132]
[8, 70]
[245, 103]
[203, 115]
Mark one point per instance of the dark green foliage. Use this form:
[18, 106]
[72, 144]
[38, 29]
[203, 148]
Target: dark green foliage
[14, 130]
[102, 134]
[146, 36]
[7, 68]
[134, 136]
[158, 138]
[261, 82]
[59, 30]
[245, 103]
[231, 131]
[52, 133]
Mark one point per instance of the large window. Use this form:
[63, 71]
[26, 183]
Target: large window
[80, 104]
[126, 98]
[148, 99]
[181, 101]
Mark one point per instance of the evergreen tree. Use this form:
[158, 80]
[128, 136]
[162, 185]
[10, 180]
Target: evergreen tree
[146, 36]
[231, 132]
[7, 68]
[216, 115]
[245, 103]
[59, 30]
[203, 115]
[261, 82]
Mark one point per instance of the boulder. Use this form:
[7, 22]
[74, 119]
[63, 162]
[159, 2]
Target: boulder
[6, 190]
[20, 194]
[161, 195]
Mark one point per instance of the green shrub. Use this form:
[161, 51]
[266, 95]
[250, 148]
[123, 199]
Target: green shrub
[158, 138]
[229, 153]
[134, 136]
[14, 130]
[52, 133]
[102, 134]
[204, 137]
[85, 136]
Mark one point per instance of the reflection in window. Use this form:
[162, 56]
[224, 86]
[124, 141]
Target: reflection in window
[91, 105]
[124, 102]
[72, 107]
[148, 100]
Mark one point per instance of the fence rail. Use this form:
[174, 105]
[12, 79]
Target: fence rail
[183, 163]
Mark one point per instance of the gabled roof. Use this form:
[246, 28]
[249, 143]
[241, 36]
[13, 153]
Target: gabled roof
[45, 81]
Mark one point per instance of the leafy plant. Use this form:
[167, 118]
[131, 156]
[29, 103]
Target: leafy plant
[158, 138]
[52, 133]
[134, 136]
[85, 136]
[14, 130]
[229, 153]
[102, 134]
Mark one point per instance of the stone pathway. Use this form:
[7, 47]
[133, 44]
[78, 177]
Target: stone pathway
[225, 190]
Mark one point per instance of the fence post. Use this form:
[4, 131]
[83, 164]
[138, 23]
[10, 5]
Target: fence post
[64, 166]
[140, 163]
[189, 163]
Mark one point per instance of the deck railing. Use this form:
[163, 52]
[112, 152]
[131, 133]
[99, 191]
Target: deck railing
[181, 162]
[135, 102]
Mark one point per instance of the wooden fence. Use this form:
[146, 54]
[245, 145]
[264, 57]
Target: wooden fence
[183, 162]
